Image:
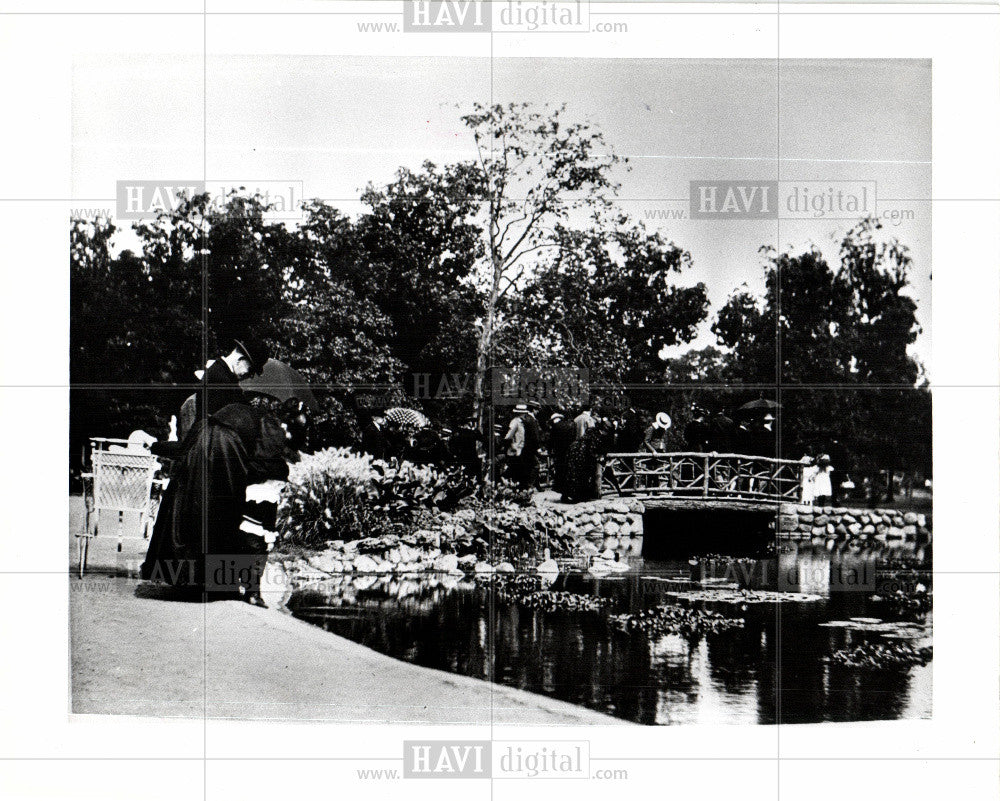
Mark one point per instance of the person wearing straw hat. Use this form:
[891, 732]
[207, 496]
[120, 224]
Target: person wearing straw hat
[654, 438]
[515, 442]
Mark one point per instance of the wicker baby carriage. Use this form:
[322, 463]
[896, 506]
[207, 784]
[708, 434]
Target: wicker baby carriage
[122, 480]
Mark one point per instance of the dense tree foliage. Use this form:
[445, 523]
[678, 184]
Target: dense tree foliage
[606, 302]
[844, 325]
[517, 258]
[849, 328]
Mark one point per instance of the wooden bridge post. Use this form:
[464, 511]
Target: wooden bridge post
[704, 489]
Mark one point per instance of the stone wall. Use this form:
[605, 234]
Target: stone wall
[613, 524]
[801, 522]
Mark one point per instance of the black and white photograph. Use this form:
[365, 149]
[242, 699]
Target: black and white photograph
[430, 407]
[495, 416]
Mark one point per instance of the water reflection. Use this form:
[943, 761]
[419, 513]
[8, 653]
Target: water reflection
[730, 676]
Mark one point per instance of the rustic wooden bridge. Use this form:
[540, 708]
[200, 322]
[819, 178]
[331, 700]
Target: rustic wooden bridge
[705, 480]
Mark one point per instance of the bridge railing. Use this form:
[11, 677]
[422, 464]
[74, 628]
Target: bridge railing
[723, 476]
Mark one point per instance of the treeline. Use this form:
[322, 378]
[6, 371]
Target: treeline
[450, 269]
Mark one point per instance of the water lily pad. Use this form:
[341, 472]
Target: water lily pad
[738, 596]
[896, 630]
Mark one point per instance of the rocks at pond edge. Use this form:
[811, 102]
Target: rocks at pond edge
[446, 563]
[365, 564]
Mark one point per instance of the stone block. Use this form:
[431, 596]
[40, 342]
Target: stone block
[869, 529]
[325, 562]
[821, 520]
[910, 518]
[895, 533]
[365, 564]
[445, 563]
[788, 522]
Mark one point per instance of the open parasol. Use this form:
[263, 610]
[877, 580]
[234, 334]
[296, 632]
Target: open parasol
[408, 418]
[280, 381]
[758, 407]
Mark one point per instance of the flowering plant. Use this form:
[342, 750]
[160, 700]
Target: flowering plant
[338, 494]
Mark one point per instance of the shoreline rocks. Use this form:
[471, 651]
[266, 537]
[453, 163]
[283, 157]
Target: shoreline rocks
[601, 525]
[800, 522]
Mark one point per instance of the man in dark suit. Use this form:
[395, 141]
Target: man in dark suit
[221, 381]
[220, 386]
[562, 433]
[373, 438]
[532, 442]
[464, 449]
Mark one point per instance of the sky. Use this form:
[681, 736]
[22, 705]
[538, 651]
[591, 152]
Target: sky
[339, 123]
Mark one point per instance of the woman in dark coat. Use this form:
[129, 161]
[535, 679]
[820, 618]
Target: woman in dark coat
[197, 530]
[582, 477]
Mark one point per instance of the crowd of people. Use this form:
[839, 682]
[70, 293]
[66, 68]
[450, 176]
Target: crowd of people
[225, 440]
[570, 443]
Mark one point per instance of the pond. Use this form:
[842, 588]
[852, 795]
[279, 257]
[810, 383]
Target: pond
[798, 607]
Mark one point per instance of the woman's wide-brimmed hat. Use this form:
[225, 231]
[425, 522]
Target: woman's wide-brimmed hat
[662, 420]
[521, 408]
[824, 459]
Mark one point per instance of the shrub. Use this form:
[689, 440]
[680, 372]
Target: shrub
[337, 494]
[403, 488]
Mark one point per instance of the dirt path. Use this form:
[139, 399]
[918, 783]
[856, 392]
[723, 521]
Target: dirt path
[140, 651]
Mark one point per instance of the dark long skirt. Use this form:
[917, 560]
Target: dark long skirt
[582, 480]
[197, 529]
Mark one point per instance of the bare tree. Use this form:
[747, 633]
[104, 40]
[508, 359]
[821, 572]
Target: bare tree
[537, 171]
